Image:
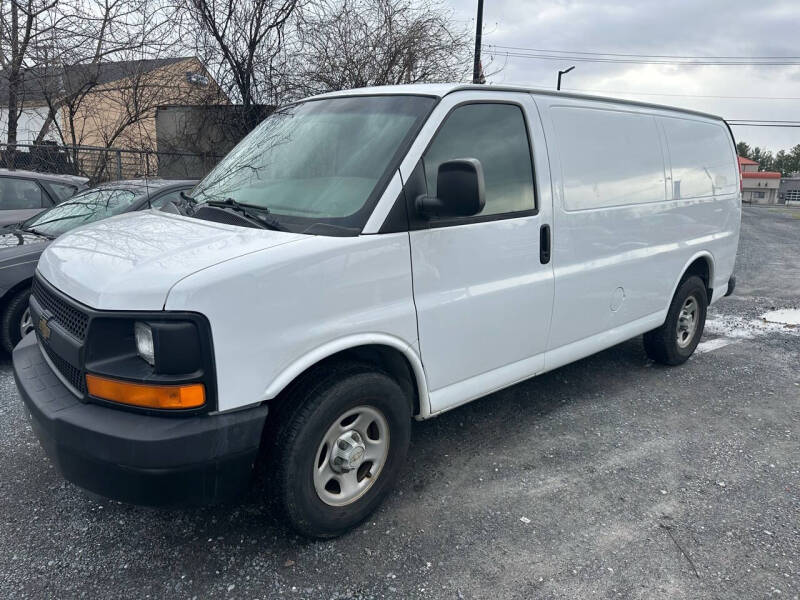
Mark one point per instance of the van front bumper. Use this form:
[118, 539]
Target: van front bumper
[137, 458]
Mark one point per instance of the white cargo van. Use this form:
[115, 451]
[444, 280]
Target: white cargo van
[360, 259]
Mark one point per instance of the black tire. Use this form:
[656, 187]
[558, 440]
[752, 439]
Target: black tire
[308, 413]
[10, 333]
[662, 344]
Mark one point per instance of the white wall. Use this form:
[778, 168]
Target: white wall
[28, 126]
[770, 192]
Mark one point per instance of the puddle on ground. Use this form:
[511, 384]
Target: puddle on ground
[785, 320]
[784, 316]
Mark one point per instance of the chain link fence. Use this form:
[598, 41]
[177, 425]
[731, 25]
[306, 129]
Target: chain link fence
[106, 164]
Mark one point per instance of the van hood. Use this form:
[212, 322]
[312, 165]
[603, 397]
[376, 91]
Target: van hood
[131, 262]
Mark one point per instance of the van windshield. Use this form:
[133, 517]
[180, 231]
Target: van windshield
[320, 161]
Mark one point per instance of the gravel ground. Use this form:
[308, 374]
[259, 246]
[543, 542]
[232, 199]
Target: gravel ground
[612, 477]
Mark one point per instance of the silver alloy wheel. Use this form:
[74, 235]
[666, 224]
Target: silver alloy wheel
[687, 321]
[25, 323]
[351, 455]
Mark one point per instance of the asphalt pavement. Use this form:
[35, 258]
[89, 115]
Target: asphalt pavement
[611, 478]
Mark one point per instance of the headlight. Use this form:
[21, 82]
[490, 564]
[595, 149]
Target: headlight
[144, 342]
[151, 360]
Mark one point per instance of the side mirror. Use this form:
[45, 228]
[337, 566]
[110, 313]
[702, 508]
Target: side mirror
[459, 190]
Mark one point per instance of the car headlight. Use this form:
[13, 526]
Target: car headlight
[144, 342]
[151, 360]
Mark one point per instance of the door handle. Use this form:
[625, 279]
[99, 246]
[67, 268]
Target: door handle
[544, 244]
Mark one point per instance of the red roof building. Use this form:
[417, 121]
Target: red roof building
[761, 175]
[746, 161]
[758, 187]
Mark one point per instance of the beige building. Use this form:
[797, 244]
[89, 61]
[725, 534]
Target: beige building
[110, 105]
[758, 187]
[121, 112]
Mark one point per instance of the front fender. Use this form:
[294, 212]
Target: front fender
[308, 360]
[275, 312]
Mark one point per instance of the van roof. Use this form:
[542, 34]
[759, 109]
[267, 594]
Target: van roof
[440, 90]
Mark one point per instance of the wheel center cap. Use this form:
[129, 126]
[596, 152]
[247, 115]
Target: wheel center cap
[348, 452]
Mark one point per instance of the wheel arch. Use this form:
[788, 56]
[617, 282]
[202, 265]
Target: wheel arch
[702, 265]
[389, 353]
[13, 290]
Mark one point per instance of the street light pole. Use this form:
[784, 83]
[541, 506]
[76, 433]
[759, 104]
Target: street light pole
[560, 73]
[476, 65]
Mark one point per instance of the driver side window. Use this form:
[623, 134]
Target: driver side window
[497, 136]
[164, 199]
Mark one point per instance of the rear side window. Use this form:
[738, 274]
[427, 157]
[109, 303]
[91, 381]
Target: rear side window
[496, 135]
[17, 194]
[62, 191]
[608, 158]
[701, 157]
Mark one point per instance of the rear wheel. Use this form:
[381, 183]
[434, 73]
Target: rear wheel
[674, 342]
[16, 320]
[339, 450]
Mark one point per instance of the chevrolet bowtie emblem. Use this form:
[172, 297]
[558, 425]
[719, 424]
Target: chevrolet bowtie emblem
[44, 329]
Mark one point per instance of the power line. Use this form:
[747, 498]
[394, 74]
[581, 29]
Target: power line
[732, 122]
[635, 93]
[550, 51]
[656, 59]
[692, 63]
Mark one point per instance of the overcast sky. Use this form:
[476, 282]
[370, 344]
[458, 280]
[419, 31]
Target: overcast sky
[682, 27]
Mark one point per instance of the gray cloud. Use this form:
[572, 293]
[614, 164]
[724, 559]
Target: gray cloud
[681, 27]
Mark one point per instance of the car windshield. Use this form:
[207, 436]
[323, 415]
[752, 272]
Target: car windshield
[319, 161]
[86, 207]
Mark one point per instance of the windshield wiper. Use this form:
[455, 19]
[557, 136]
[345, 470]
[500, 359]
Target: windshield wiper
[259, 214]
[67, 218]
[19, 230]
[37, 232]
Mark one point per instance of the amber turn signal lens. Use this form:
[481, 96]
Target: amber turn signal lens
[191, 395]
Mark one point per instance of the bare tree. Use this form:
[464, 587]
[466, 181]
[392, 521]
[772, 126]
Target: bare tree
[90, 35]
[243, 43]
[357, 43]
[109, 64]
[20, 26]
[261, 52]
[118, 111]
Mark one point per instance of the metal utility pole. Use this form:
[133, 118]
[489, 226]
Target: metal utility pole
[560, 73]
[476, 65]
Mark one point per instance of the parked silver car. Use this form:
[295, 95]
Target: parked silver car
[22, 244]
[24, 194]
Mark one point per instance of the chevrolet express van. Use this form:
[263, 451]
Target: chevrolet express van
[360, 259]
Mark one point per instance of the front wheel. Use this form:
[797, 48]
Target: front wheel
[16, 320]
[340, 448]
[674, 342]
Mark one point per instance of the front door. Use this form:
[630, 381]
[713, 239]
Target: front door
[482, 289]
